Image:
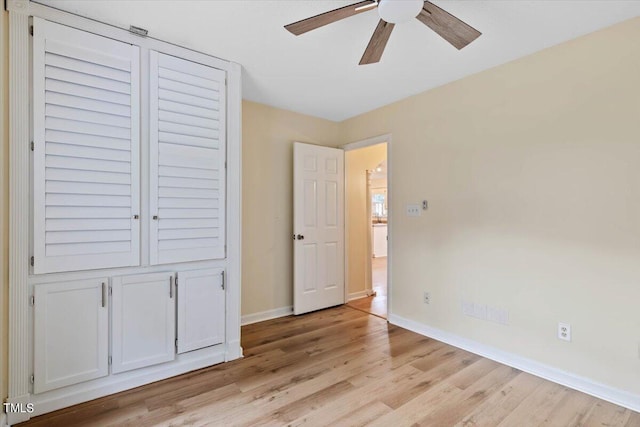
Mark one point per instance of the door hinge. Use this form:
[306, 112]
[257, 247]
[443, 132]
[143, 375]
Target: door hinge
[32, 146]
[32, 379]
[110, 360]
[32, 300]
[176, 343]
[31, 29]
[32, 261]
[176, 280]
[222, 285]
[110, 290]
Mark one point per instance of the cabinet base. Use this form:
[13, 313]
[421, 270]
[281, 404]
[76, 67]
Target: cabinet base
[84, 392]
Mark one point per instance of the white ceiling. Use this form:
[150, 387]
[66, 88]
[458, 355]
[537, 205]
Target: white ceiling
[318, 73]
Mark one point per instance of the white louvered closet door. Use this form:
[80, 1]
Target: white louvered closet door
[187, 160]
[86, 138]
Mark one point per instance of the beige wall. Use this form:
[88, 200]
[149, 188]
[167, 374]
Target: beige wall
[532, 172]
[267, 201]
[358, 225]
[4, 200]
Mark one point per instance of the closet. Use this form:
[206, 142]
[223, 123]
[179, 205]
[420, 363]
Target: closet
[134, 208]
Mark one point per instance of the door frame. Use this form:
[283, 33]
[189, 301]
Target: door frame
[375, 140]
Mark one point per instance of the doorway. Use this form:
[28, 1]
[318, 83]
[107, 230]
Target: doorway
[367, 225]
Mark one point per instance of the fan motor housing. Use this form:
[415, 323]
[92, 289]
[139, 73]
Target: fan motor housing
[398, 11]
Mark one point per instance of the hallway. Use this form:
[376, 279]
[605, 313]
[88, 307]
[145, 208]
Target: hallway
[376, 305]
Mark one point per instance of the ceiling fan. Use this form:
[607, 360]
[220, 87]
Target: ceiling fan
[392, 12]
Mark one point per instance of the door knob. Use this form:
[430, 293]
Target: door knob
[300, 237]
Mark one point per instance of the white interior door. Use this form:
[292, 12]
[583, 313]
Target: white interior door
[318, 226]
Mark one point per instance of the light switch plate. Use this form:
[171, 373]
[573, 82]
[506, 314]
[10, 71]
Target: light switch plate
[413, 210]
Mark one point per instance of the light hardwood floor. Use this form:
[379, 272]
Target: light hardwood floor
[343, 367]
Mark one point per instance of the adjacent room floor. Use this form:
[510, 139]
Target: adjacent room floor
[376, 305]
[343, 367]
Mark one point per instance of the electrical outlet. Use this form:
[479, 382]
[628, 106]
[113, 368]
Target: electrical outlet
[426, 298]
[413, 210]
[564, 331]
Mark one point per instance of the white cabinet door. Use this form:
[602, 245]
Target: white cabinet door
[201, 309]
[71, 333]
[143, 321]
[187, 160]
[86, 175]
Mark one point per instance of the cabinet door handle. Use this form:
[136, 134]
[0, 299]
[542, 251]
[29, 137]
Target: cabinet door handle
[171, 287]
[104, 294]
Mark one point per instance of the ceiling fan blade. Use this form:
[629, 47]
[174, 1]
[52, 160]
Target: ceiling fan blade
[447, 26]
[323, 19]
[378, 41]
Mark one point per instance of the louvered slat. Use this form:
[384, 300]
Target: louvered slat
[86, 172]
[86, 224]
[169, 224]
[85, 67]
[104, 249]
[88, 92]
[187, 160]
[54, 199]
[87, 188]
[69, 162]
[190, 100]
[80, 103]
[111, 120]
[88, 236]
[88, 151]
[196, 141]
[190, 193]
[189, 173]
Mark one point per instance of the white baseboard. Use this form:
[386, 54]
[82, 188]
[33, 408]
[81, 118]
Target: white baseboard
[22, 414]
[83, 392]
[248, 319]
[567, 379]
[358, 295]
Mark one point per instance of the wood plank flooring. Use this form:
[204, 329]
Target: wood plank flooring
[343, 367]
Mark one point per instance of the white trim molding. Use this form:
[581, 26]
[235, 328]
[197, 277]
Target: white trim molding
[367, 142]
[248, 319]
[358, 295]
[19, 360]
[567, 379]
